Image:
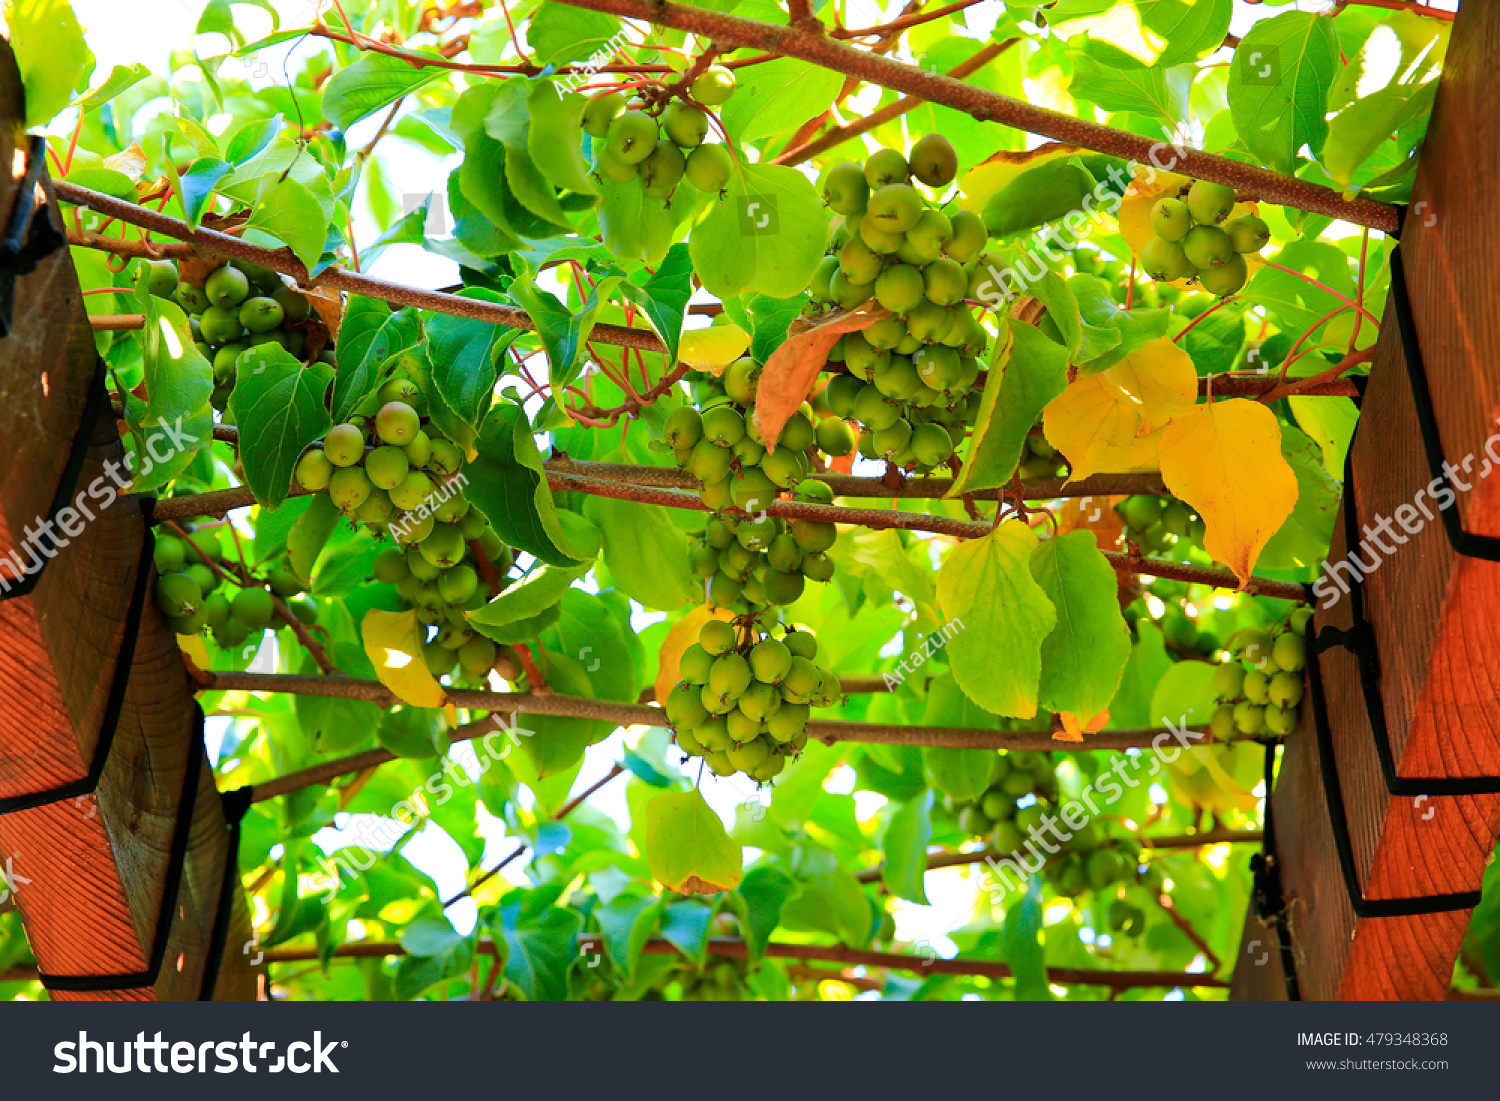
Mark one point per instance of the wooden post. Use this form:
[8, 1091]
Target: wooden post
[88, 873]
[1435, 615]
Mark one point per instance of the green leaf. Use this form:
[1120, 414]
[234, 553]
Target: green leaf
[1023, 945]
[542, 588]
[906, 838]
[372, 82]
[121, 78]
[1303, 540]
[663, 297]
[594, 633]
[309, 534]
[645, 551]
[292, 214]
[337, 727]
[278, 405]
[251, 139]
[563, 332]
[686, 924]
[1022, 380]
[557, 743]
[540, 941]
[769, 318]
[177, 420]
[556, 137]
[1110, 333]
[766, 235]
[510, 487]
[1040, 194]
[509, 122]
[51, 54]
[1085, 655]
[636, 227]
[961, 773]
[370, 336]
[1278, 86]
[463, 353]
[687, 847]
[196, 185]
[559, 34]
[1330, 423]
[1359, 130]
[1149, 661]
[626, 923]
[996, 659]
[772, 100]
[1145, 32]
[1155, 92]
[765, 890]
[1185, 695]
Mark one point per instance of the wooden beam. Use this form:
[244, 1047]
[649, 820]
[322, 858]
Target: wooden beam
[89, 873]
[1435, 615]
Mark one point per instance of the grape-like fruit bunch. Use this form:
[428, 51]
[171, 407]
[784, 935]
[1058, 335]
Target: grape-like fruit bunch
[1193, 240]
[194, 599]
[239, 306]
[745, 697]
[1087, 861]
[1013, 776]
[1260, 687]
[747, 557]
[393, 471]
[661, 146]
[1160, 523]
[910, 375]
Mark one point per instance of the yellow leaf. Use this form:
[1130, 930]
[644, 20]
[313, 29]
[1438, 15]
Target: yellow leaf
[193, 647]
[1225, 461]
[714, 348]
[1112, 421]
[393, 643]
[682, 635]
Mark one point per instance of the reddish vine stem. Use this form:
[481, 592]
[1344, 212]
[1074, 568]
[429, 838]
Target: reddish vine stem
[731, 31]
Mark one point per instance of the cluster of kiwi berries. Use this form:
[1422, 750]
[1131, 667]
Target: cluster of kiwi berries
[192, 596]
[1260, 686]
[660, 146]
[746, 695]
[393, 471]
[747, 558]
[238, 306]
[1160, 523]
[910, 376]
[1087, 861]
[1190, 242]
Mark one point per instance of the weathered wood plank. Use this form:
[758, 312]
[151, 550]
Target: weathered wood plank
[1436, 616]
[89, 873]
